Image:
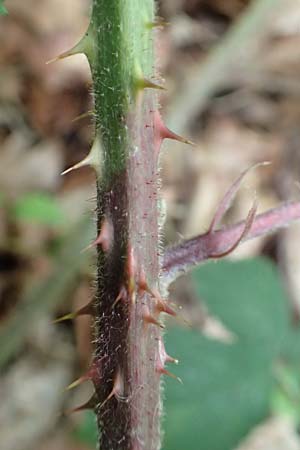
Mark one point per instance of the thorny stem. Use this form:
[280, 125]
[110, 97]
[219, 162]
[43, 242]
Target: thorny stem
[126, 331]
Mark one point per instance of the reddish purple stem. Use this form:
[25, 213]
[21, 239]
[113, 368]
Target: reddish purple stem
[184, 256]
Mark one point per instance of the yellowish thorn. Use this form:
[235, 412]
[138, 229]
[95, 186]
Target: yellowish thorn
[84, 46]
[75, 383]
[93, 159]
[90, 113]
[144, 83]
[159, 22]
[85, 162]
[69, 316]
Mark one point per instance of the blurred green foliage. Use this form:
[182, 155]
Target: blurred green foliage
[228, 388]
[285, 399]
[3, 10]
[86, 431]
[38, 208]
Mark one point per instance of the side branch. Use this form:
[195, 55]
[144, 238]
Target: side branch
[183, 257]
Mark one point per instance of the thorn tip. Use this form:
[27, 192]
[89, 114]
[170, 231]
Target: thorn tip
[145, 83]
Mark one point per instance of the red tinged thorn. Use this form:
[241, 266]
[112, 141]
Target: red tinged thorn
[144, 286]
[247, 227]
[163, 357]
[142, 283]
[93, 374]
[117, 390]
[161, 305]
[131, 270]
[230, 195]
[90, 404]
[121, 296]
[170, 374]
[86, 310]
[148, 318]
[131, 266]
[105, 237]
[162, 132]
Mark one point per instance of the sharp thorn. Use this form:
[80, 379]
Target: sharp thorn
[86, 310]
[85, 162]
[104, 239]
[248, 224]
[229, 196]
[159, 22]
[83, 116]
[77, 383]
[145, 83]
[163, 357]
[162, 132]
[84, 46]
[162, 307]
[176, 137]
[170, 374]
[64, 55]
[149, 319]
[121, 296]
[93, 159]
[148, 84]
[90, 404]
[117, 390]
[131, 270]
[69, 316]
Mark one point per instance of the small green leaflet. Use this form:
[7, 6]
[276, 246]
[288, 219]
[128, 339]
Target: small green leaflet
[3, 10]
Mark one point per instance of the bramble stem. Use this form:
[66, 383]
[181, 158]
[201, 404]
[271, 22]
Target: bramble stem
[126, 342]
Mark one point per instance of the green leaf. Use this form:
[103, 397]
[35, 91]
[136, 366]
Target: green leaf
[3, 10]
[227, 387]
[225, 392]
[86, 430]
[248, 297]
[38, 208]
